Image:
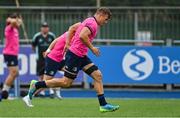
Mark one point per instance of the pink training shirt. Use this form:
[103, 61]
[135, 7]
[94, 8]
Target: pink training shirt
[11, 41]
[56, 53]
[77, 46]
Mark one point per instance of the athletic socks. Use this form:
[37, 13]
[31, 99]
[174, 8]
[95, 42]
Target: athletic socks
[42, 93]
[102, 100]
[58, 93]
[6, 88]
[51, 91]
[40, 84]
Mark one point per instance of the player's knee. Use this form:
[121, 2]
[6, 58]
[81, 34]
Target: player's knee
[66, 83]
[98, 76]
[91, 70]
[46, 77]
[14, 72]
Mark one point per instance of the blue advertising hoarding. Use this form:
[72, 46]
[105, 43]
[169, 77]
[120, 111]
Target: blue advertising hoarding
[27, 66]
[118, 64]
[139, 65]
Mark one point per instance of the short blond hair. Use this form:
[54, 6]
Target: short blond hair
[105, 11]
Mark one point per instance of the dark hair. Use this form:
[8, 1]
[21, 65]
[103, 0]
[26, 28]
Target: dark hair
[44, 24]
[13, 15]
[104, 10]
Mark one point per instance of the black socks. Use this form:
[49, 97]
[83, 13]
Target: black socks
[40, 84]
[102, 100]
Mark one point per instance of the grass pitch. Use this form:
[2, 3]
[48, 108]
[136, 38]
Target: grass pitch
[88, 107]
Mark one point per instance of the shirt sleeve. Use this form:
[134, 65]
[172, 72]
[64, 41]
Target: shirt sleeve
[91, 27]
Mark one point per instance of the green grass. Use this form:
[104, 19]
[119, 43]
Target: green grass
[86, 107]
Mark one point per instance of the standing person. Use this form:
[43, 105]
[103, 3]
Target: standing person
[54, 60]
[10, 51]
[40, 43]
[76, 59]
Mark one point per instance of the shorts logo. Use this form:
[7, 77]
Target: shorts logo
[12, 62]
[45, 72]
[51, 72]
[74, 69]
[137, 64]
[66, 67]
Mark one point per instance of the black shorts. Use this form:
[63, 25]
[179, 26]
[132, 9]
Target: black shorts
[40, 67]
[74, 63]
[51, 66]
[11, 60]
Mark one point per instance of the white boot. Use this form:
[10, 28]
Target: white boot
[51, 93]
[58, 93]
[42, 93]
[27, 101]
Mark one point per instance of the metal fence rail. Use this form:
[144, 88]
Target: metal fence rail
[160, 22]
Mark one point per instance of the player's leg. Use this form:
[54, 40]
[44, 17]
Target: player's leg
[40, 73]
[27, 98]
[57, 82]
[58, 89]
[53, 83]
[96, 74]
[71, 69]
[40, 93]
[51, 67]
[12, 64]
[98, 84]
[49, 72]
[51, 91]
[93, 71]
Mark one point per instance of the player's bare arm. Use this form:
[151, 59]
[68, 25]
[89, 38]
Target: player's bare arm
[71, 31]
[85, 39]
[51, 46]
[19, 21]
[15, 22]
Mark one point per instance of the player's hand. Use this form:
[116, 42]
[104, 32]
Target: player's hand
[46, 53]
[95, 51]
[8, 20]
[19, 21]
